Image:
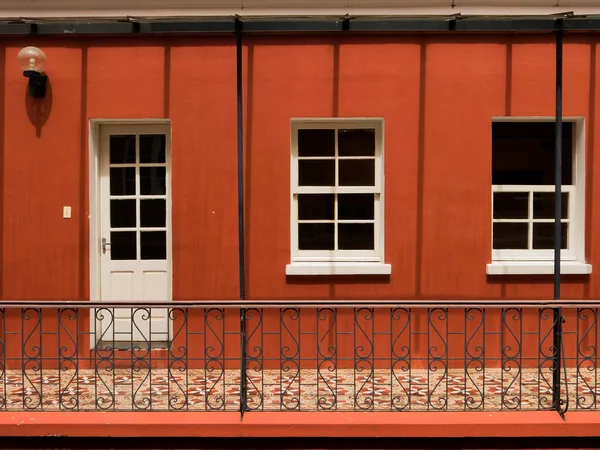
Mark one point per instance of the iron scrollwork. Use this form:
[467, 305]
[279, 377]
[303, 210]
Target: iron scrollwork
[104, 356]
[140, 354]
[475, 358]
[3, 394]
[254, 363]
[177, 378]
[511, 357]
[214, 359]
[364, 353]
[400, 389]
[362, 357]
[290, 359]
[32, 358]
[68, 352]
[437, 356]
[326, 359]
[587, 357]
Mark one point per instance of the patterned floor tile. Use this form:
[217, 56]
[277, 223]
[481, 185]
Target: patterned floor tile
[281, 390]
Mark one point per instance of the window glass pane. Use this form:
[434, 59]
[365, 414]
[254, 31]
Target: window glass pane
[511, 236]
[356, 236]
[356, 142]
[357, 172]
[122, 213]
[122, 181]
[543, 236]
[523, 153]
[315, 236]
[316, 142]
[315, 206]
[316, 172]
[153, 213]
[356, 206]
[154, 245]
[152, 148]
[152, 180]
[123, 245]
[543, 205]
[511, 205]
[122, 149]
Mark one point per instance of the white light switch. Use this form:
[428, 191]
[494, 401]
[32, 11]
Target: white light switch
[66, 212]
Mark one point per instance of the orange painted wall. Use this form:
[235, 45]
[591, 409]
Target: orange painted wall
[437, 95]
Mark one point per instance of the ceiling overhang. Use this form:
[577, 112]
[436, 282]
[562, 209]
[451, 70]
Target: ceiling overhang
[195, 8]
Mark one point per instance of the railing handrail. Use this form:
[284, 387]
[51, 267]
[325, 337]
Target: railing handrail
[295, 303]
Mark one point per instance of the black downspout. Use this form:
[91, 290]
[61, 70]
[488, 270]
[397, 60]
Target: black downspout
[557, 339]
[241, 243]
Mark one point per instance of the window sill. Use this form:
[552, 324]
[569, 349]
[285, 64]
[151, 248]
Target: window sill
[537, 268]
[338, 268]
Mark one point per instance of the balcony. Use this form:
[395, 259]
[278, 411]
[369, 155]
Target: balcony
[300, 356]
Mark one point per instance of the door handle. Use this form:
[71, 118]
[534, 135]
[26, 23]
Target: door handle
[105, 245]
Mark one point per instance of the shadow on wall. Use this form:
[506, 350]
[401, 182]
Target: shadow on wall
[39, 109]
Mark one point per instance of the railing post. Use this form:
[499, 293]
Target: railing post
[557, 337]
[243, 381]
[241, 240]
[556, 357]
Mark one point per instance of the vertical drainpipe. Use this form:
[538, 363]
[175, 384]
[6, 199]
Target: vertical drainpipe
[557, 340]
[241, 243]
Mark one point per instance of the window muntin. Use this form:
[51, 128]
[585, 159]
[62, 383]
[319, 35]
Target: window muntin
[523, 191]
[336, 190]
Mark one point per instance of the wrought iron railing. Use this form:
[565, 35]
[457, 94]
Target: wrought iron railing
[299, 356]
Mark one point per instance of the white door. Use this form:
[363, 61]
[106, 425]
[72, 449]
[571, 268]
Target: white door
[135, 220]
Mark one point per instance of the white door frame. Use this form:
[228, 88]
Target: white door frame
[95, 247]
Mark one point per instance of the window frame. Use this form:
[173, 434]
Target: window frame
[575, 251]
[338, 256]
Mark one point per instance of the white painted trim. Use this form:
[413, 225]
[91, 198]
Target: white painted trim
[142, 121]
[94, 221]
[537, 268]
[94, 128]
[377, 254]
[338, 268]
[576, 213]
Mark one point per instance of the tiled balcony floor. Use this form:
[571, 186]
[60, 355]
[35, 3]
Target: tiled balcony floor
[274, 390]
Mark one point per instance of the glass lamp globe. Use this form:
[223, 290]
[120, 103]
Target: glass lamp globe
[32, 59]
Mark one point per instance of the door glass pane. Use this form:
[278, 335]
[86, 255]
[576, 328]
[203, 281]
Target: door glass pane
[543, 205]
[153, 213]
[356, 206]
[356, 142]
[356, 236]
[543, 236]
[122, 181]
[152, 148]
[154, 244]
[510, 236]
[511, 205]
[122, 149]
[316, 142]
[152, 180]
[317, 172]
[122, 213]
[315, 236]
[123, 245]
[357, 172]
[315, 206]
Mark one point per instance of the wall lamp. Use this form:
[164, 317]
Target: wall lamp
[33, 63]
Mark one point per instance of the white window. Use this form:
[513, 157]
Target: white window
[523, 196]
[337, 197]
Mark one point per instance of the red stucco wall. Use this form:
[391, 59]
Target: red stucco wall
[437, 95]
